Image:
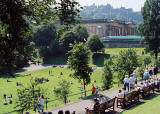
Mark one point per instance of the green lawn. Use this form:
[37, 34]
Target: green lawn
[114, 51]
[10, 87]
[149, 106]
[98, 59]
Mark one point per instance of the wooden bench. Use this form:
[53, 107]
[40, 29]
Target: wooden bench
[126, 100]
[135, 96]
[100, 109]
[145, 92]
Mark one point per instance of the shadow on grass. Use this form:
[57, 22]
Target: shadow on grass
[8, 76]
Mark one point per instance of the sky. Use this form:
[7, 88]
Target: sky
[134, 4]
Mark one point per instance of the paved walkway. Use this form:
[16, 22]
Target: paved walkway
[41, 66]
[80, 106]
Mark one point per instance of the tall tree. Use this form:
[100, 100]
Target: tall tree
[67, 38]
[27, 96]
[62, 90]
[95, 44]
[125, 63]
[45, 35]
[150, 27]
[79, 59]
[68, 11]
[81, 33]
[15, 35]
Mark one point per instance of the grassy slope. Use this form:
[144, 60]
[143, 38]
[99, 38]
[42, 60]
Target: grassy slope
[149, 106]
[11, 87]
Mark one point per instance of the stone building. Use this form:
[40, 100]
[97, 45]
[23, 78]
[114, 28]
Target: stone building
[105, 27]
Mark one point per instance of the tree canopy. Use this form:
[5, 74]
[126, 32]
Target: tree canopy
[94, 43]
[150, 27]
[81, 33]
[79, 59]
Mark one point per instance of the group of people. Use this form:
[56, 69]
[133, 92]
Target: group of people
[95, 89]
[130, 83]
[101, 99]
[150, 71]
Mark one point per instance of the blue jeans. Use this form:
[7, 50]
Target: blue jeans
[39, 107]
[126, 85]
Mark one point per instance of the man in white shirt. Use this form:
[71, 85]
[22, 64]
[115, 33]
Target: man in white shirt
[134, 74]
[126, 82]
[132, 81]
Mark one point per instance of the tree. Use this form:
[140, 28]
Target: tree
[44, 35]
[147, 61]
[15, 35]
[79, 59]
[94, 43]
[67, 38]
[107, 78]
[28, 96]
[62, 90]
[150, 27]
[68, 11]
[62, 29]
[125, 63]
[81, 33]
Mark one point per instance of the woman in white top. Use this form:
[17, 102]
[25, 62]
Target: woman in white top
[40, 103]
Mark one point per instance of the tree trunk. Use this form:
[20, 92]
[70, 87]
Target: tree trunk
[156, 45]
[84, 85]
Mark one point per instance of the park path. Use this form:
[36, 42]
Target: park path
[80, 106]
[41, 66]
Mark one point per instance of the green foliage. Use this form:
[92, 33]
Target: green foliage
[81, 33]
[94, 43]
[107, 78]
[68, 11]
[54, 47]
[62, 29]
[44, 35]
[67, 38]
[15, 33]
[79, 59]
[28, 96]
[141, 71]
[62, 90]
[147, 61]
[150, 28]
[125, 63]
[108, 12]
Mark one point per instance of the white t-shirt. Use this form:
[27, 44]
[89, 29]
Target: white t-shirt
[40, 101]
[132, 80]
[126, 80]
[134, 74]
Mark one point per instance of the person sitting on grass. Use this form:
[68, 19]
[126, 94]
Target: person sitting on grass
[40, 103]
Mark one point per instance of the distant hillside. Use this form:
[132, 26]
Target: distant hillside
[107, 11]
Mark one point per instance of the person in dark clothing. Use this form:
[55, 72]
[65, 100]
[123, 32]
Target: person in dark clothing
[60, 112]
[155, 70]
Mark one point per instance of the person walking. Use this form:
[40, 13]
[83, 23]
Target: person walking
[93, 89]
[40, 103]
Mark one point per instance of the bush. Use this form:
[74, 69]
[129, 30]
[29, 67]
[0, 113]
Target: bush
[107, 78]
